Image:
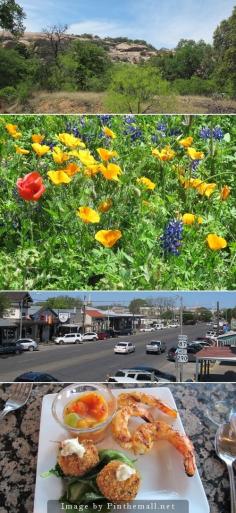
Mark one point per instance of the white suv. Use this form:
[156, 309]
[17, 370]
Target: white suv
[90, 335]
[28, 344]
[69, 338]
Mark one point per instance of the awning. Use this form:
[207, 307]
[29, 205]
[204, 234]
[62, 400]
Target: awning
[208, 354]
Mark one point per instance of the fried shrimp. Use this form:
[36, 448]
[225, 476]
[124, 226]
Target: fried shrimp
[120, 422]
[147, 434]
[132, 398]
[116, 484]
[75, 463]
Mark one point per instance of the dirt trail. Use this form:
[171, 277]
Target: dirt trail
[92, 103]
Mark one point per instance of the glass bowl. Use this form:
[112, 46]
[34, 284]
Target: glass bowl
[68, 394]
[220, 412]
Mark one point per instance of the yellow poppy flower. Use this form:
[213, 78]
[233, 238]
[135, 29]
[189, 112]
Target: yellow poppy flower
[108, 132]
[108, 237]
[215, 242]
[111, 172]
[146, 182]
[59, 156]
[88, 215]
[71, 169]
[225, 192]
[186, 142]
[105, 205]
[13, 130]
[70, 140]
[106, 154]
[21, 151]
[59, 177]
[92, 170]
[191, 218]
[86, 158]
[37, 138]
[206, 189]
[40, 149]
[194, 154]
[165, 154]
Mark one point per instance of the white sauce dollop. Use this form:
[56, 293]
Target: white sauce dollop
[124, 472]
[72, 446]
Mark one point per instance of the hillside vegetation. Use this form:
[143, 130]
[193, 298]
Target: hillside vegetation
[132, 75]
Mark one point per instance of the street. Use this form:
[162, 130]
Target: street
[93, 361]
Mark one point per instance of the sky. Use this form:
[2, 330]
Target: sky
[190, 298]
[160, 22]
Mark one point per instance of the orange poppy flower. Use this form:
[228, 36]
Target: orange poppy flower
[108, 237]
[215, 242]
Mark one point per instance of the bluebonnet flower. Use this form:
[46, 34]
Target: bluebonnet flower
[50, 144]
[105, 118]
[175, 131]
[205, 133]
[134, 132]
[195, 164]
[162, 127]
[172, 236]
[129, 118]
[218, 133]
[154, 138]
[72, 129]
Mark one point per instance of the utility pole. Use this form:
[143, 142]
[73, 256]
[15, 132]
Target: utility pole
[84, 313]
[21, 320]
[218, 320]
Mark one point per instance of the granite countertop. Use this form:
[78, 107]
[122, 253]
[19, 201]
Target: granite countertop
[19, 444]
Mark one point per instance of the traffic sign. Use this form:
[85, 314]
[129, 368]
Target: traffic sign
[182, 337]
[179, 350]
[182, 358]
[182, 343]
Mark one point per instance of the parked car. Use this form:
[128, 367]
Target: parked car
[202, 343]
[103, 335]
[155, 346]
[11, 348]
[69, 338]
[28, 344]
[124, 347]
[211, 334]
[171, 353]
[33, 377]
[192, 350]
[141, 373]
[90, 335]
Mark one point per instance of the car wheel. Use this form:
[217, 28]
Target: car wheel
[31, 349]
[77, 341]
[61, 342]
[94, 339]
[18, 351]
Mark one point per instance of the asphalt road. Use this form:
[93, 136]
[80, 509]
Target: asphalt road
[93, 361]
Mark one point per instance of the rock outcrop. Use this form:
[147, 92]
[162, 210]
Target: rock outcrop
[125, 51]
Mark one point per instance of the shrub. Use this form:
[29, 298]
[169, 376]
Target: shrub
[8, 94]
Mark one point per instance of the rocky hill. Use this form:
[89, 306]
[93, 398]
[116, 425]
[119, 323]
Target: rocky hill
[119, 49]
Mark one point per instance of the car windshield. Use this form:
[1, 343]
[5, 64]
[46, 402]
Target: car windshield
[122, 345]
[153, 343]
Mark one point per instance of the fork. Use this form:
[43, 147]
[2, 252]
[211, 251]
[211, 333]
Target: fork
[19, 395]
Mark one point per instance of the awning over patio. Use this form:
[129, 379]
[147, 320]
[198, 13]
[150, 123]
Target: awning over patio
[208, 354]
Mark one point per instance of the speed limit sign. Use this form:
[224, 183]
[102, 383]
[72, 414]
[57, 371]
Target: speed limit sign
[182, 358]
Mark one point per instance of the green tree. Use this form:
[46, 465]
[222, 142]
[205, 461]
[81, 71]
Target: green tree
[134, 88]
[14, 67]
[204, 314]
[188, 317]
[4, 303]
[135, 304]
[224, 42]
[11, 17]
[62, 302]
[87, 65]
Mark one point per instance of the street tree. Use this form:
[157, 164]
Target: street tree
[55, 35]
[136, 304]
[4, 303]
[62, 302]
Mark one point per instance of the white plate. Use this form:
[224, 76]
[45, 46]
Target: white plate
[162, 470]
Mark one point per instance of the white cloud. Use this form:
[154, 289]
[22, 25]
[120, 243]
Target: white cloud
[102, 28]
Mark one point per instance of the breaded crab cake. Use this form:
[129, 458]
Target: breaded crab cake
[118, 481]
[76, 458]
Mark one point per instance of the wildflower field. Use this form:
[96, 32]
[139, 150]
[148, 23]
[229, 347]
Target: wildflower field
[117, 202]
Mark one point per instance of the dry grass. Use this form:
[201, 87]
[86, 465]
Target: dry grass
[93, 103]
